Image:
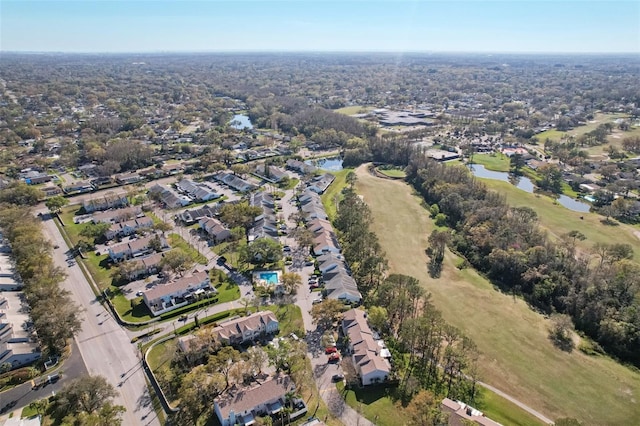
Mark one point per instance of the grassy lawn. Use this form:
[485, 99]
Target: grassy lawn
[354, 109]
[393, 173]
[291, 183]
[502, 411]
[516, 354]
[600, 118]
[497, 161]
[176, 240]
[290, 319]
[162, 354]
[374, 404]
[558, 220]
[333, 194]
[228, 291]
[138, 313]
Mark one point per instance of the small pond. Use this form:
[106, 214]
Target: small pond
[333, 164]
[527, 185]
[241, 121]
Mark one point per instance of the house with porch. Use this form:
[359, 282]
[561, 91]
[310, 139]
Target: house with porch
[243, 404]
[234, 182]
[128, 227]
[134, 248]
[145, 266]
[247, 329]
[178, 293]
[369, 354]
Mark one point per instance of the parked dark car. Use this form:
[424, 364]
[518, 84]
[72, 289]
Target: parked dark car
[337, 378]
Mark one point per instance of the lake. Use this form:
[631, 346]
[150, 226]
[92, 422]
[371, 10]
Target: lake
[241, 121]
[333, 164]
[527, 185]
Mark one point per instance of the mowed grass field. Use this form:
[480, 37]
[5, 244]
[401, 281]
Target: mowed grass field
[354, 109]
[516, 354]
[614, 139]
[558, 220]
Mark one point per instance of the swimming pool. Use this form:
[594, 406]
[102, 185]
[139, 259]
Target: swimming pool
[271, 277]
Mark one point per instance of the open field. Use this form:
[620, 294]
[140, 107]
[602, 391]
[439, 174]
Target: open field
[614, 139]
[332, 194]
[599, 119]
[516, 354]
[496, 161]
[558, 220]
[502, 411]
[355, 109]
[392, 173]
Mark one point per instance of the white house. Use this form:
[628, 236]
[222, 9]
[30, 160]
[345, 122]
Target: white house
[370, 356]
[247, 329]
[241, 405]
[128, 227]
[166, 298]
[134, 248]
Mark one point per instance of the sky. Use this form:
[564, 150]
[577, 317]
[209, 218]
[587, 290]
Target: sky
[540, 26]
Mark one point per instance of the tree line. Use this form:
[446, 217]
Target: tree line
[507, 244]
[53, 311]
[431, 359]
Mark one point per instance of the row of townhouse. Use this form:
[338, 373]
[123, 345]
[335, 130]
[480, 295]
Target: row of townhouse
[128, 227]
[338, 282]
[145, 266]
[17, 347]
[237, 331]
[301, 167]
[311, 206]
[265, 225]
[169, 197]
[117, 215]
[79, 186]
[270, 173]
[319, 184]
[189, 217]
[242, 405]
[135, 248]
[234, 182]
[369, 354]
[178, 293]
[110, 200]
[214, 229]
[197, 191]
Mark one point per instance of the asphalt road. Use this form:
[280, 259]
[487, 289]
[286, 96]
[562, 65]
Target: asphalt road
[104, 346]
[21, 396]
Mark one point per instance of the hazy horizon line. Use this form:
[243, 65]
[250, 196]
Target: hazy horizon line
[237, 51]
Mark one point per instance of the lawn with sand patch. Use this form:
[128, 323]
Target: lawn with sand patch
[516, 354]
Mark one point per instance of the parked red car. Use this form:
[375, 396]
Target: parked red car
[334, 357]
[330, 350]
